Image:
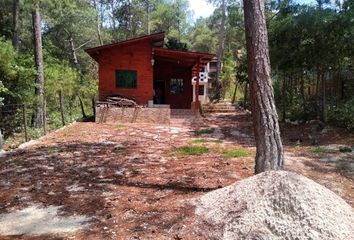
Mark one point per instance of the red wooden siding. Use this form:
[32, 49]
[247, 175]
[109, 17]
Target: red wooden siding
[165, 71]
[135, 57]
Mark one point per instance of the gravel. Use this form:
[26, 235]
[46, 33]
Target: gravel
[274, 205]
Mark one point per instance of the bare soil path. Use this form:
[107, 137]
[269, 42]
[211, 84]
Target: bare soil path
[131, 182]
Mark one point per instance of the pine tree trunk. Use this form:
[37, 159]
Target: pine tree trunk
[61, 106]
[16, 20]
[283, 99]
[245, 96]
[75, 59]
[302, 89]
[98, 24]
[220, 51]
[147, 16]
[323, 98]
[234, 95]
[39, 106]
[318, 77]
[269, 146]
[84, 116]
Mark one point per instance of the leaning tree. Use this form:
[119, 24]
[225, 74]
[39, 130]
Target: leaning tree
[269, 154]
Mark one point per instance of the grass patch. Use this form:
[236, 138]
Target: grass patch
[190, 150]
[205, 131]
[121, 126]
[202, 140]
[235, 153]
[318, 150]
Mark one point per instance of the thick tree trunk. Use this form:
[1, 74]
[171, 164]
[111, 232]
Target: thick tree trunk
[16, 20]
[39, 108]
[269, 146]
[220, 51]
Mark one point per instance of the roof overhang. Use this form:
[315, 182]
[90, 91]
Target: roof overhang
[184, 57]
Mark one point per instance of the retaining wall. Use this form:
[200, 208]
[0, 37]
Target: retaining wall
[130, 115]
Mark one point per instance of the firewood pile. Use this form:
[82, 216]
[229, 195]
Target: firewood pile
[118, 101]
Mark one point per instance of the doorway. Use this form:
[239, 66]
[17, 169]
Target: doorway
[159, 92]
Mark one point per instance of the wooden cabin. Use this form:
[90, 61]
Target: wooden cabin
[142, 69]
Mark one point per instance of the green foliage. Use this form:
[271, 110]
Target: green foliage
[310, 45]
[343, 115]
[15, 75]
[202, 37]
[235, 153]
[7, 60]
[227, 76]
[191, 150]
[175, 44]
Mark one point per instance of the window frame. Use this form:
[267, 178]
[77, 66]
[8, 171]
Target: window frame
[179, 86]
[125, 85]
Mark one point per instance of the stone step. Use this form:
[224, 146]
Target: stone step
[219, 110]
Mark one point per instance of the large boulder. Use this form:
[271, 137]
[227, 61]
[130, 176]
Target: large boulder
[274, 205]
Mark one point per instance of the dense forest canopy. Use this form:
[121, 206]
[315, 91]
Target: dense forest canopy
[311, 52]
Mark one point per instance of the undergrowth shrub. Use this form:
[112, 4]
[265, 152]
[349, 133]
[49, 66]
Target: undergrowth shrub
[343, 115]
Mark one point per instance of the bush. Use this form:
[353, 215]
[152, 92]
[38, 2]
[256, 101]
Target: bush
[343, 115]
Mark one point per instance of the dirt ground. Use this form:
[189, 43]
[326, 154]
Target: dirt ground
[129, 181]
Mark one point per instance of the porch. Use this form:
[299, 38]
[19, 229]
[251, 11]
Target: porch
[179, 78]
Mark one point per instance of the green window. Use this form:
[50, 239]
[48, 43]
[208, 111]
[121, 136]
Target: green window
[126, 79]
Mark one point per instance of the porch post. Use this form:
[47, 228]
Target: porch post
[197, 104]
